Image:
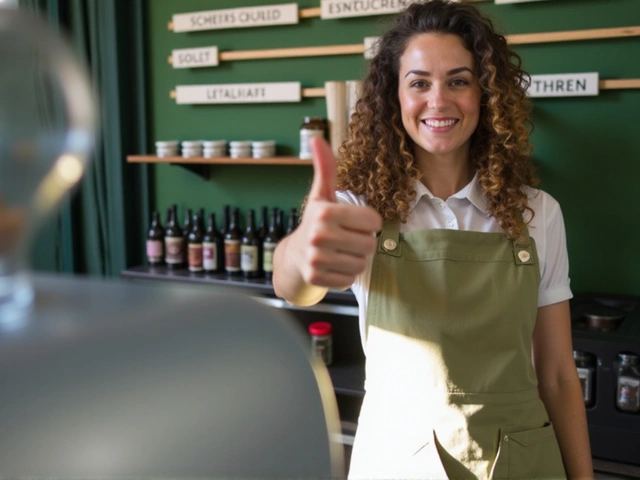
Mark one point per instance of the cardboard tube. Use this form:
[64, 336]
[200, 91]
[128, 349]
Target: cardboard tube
[336, 96]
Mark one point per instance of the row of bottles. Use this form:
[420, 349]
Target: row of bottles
[212, 249]
[627, 379]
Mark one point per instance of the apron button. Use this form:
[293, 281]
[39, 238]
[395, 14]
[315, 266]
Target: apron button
[506, 438]
[389, 244]
[524, 256]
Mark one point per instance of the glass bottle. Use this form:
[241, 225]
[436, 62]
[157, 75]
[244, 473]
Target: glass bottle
[224, 226]
[232, 240]
[250, 249]
[280, 222]
[173, 241]
[322, 341]
[311, 127]
[628, 383]
[292, 221]
[195, 245]
[585, 365]
[155, 240]
[211, 246]
[271, 240]
[262, 227]
[187, 224]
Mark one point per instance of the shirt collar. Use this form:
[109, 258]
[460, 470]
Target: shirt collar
[471, 192]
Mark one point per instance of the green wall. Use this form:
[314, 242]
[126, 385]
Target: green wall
[587, 149]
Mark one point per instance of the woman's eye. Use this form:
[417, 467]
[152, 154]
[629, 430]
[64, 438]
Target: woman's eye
[459, 82]
[419, 84]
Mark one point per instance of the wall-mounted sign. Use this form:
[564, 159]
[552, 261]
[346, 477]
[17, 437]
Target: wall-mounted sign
[501, 2]
[361, 8]
[283, 14]
[564, 85]
[239, 93]
[194, 57]
[370, 47]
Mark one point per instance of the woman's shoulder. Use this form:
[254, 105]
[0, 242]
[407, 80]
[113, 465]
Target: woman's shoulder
[542, 203]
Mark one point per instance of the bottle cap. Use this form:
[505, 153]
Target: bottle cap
[320, 328]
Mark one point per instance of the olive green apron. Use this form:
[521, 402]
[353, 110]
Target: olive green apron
[450, 387]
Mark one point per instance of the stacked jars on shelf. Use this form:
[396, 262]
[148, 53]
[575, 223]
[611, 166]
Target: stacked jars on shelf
[199, 245]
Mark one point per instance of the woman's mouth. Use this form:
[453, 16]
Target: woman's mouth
[433, 123]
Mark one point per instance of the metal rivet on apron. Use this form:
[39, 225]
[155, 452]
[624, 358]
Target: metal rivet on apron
[389, 244]
[524, 256]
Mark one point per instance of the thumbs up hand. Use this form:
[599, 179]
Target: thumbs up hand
[331, 245]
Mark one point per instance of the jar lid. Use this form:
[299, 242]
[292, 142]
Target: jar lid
[240, 143]
[313, 119]
[320, 328]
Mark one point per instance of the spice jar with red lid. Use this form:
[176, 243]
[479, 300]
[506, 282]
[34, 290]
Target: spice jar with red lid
[322, 341]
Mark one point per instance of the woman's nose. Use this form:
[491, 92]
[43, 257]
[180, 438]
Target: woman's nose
[438, 97]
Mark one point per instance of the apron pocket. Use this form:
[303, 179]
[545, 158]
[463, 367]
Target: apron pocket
[530, 454]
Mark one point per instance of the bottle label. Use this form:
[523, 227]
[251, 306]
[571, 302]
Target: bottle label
[155, 251]
[628, 393]
[249, 258]
[584, 374]
[306, 135]
[267, 256]
[232, 255]
[195, 257]
[209, 256]
[174, 247]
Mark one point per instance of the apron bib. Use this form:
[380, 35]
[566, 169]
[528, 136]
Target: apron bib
[450, 387]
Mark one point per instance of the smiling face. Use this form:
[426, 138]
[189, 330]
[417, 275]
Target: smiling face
[439, 96]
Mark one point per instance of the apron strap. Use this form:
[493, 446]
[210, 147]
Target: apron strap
[389, 239]
[522, 248]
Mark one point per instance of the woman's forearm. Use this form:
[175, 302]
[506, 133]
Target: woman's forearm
[565, 406]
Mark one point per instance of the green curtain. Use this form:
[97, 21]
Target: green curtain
[100, 230]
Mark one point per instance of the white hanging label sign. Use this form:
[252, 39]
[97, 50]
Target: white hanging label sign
[239, 93]
[503, 2]
[283, 14]
[564, 85]
[361, 8]
[194, 57]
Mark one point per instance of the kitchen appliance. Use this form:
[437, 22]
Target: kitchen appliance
[605, 325]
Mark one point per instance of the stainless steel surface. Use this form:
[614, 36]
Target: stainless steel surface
[110, 379]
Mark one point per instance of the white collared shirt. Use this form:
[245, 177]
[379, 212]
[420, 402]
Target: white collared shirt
[466, 210]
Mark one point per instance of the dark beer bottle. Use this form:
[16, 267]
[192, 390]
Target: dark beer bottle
[224, 226]
[292, 221]
[211, 246]
[155, 240]
[195, 245]
[250, 249]
[232, 240]
[271, 240]
[187, 225]
[173, 241]
[263, 227]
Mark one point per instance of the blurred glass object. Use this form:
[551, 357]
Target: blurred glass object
[47, 126]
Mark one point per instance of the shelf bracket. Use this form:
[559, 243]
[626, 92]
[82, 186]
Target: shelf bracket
[203, 170]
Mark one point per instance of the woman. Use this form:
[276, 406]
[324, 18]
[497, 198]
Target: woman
[458, 263]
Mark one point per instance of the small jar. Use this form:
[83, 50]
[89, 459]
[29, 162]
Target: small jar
[311, 127]
[628, 383]
[585, 365]
[322, 341]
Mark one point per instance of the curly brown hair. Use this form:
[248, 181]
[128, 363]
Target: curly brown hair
[377, 161]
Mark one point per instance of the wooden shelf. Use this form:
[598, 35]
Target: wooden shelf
[219, 160]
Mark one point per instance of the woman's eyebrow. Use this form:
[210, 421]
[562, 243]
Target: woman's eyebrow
[453, 71]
